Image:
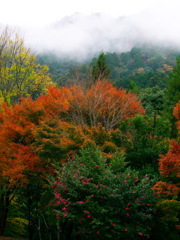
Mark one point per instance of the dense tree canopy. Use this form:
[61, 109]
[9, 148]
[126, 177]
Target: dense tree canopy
[79, 161]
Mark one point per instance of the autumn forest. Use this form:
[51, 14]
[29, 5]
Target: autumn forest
[89, 149]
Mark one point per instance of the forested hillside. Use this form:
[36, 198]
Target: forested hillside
[146, 65]
[89, 150]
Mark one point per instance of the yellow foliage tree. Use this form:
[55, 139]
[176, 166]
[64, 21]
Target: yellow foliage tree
[20, 73]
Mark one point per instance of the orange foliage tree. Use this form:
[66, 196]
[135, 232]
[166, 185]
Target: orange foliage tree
[91, 118]
[19, 159]
[169, 166]
[57, 141]
[102, 103]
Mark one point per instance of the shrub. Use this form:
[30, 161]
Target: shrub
[100, 198]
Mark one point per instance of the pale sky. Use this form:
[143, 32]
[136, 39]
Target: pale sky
[41, 12]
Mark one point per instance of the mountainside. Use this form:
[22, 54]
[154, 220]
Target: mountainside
[146, 65]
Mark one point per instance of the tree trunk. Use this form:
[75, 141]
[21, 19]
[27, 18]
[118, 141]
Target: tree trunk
[30, 222]
[4, 204]
[174, 131]
[154, 123]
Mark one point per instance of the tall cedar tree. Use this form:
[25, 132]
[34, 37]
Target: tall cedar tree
[100, 70]
[173, 95]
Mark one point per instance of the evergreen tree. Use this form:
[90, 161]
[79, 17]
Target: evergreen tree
[173, 87]
[173, 95]
[100, 70]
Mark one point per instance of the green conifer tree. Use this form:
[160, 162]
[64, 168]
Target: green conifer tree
[173, 95]
[100, 70]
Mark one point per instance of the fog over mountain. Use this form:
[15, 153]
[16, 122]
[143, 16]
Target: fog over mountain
[83, 36]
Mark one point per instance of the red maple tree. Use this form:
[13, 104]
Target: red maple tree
[19, 160]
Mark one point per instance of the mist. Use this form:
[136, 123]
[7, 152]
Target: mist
[79, 36]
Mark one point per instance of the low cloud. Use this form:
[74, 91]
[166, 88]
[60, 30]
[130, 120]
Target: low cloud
[80, 36]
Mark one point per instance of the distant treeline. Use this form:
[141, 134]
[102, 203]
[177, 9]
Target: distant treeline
[145, 65]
